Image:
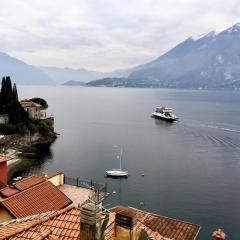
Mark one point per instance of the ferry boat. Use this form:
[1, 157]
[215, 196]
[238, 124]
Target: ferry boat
[164, 113]
[117, 172]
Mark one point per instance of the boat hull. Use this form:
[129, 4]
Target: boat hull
[115, 173]
[167, 119]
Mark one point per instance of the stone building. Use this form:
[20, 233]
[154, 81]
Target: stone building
[34, 110]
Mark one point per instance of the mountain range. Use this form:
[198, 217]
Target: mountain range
[21, 72]
[209, 60]
[26, 74]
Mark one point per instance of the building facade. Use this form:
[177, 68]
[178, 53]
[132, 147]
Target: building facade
[34, 110]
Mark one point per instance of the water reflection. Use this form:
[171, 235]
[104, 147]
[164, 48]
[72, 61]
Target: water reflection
[33, 162]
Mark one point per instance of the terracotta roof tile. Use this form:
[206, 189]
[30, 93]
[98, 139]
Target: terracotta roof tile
[8, 191]
[169, 227]
[4, 158]
[28, 182]
[165, 226]
[30, 229]
[65, 224]
[41, 198]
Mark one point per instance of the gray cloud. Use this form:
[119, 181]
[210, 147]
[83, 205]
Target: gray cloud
[105, 34]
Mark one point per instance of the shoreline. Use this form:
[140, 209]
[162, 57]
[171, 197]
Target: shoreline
[19, 148]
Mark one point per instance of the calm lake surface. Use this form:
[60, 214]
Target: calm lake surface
[191, 167]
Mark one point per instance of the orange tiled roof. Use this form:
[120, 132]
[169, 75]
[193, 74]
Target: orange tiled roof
[165, 226]
[8, 191]
[4, 158]
[37, 199]
[28, 182]
[61, 224]
[65, 224]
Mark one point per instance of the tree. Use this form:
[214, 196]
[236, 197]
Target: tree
[15, 93]
[9, 103]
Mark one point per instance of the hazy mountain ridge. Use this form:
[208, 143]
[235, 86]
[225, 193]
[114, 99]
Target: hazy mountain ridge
[62, 75]
[209, 60]
[74, 83]
[21, 72]
[26, 74]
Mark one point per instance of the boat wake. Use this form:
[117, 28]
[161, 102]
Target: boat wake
[216, 126]
[204, 134]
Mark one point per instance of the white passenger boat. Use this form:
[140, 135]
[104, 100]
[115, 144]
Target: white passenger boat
[164, 113]
[117, 172]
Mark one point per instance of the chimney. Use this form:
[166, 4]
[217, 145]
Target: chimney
[125, 223]
[218, 235]
[89, 221]
[3, 169]
[143, 234]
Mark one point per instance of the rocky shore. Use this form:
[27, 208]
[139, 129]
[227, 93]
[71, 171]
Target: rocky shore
[21, 148]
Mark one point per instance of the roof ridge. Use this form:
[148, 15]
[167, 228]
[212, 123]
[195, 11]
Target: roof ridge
[39, 221]
[23, 179]
[157, 215]
[26, 179]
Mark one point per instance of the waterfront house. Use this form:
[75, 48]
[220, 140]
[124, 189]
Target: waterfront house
[34, 110]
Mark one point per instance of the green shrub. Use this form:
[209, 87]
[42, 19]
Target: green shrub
[8, 128]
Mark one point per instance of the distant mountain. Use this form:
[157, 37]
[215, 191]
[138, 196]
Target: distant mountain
[209, 60]
[74, 83]
[22, 73]
[120, 82]
[62, 75]
[109, 82]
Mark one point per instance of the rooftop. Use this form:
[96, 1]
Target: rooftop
[62, 224]
[165, 226]
[77, 194]
[28, 182]
[30, 104]
[37, 199]
[4, 158]
[8, 191]
[65, 224]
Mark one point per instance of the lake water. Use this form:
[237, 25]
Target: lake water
[191, 167]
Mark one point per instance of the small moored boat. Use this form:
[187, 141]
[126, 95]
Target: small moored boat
[117, 172]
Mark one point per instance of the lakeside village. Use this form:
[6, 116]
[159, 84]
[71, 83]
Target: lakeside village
[58, 207]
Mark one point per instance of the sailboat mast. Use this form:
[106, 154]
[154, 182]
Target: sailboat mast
[121, 159]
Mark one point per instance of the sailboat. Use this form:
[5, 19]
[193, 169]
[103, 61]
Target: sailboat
[117, 172]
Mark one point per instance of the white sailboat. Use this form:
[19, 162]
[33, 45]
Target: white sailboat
[118, 172]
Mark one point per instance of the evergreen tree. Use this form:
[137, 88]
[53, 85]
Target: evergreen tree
[9, 103]
[15, 93]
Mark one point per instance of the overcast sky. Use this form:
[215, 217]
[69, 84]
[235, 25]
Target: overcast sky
[105, 35]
